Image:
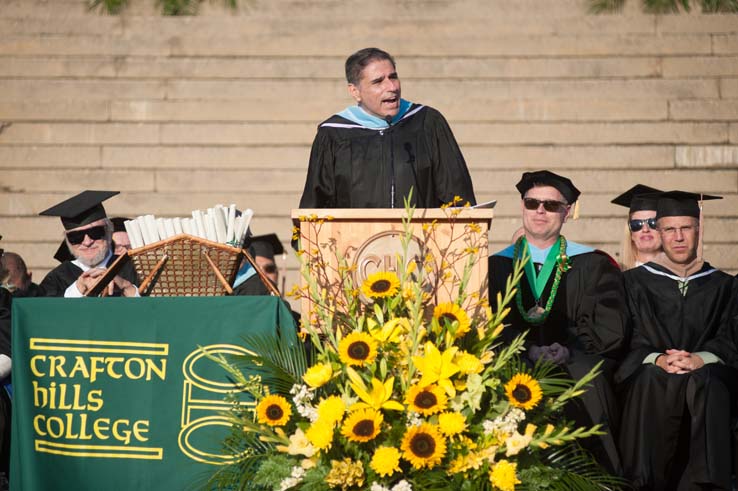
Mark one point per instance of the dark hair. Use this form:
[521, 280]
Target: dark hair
[356, 63]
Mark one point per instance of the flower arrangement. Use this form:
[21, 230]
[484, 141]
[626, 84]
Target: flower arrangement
[399, 391]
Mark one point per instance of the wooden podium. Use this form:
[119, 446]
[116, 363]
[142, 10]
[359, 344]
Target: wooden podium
[370, 240]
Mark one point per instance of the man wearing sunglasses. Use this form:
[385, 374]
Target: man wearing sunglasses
[263, 248]
[680, 376]
[87, 237]
[570, 300]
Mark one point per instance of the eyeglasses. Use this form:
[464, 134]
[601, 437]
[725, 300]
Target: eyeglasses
[549, 205]
[637, 225]
[78, 236]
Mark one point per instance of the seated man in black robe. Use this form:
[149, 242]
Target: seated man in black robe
[262, 248]
[371, 155]
[679, 377]
[570, 300]
[87, 236]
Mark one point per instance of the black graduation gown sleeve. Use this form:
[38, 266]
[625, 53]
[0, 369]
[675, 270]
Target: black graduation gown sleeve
[352, 167]
[60, 278]
[6, 299]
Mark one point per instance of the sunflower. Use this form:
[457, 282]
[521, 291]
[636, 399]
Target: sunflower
[274, 410]
[426, 400]
[423, 446]
[380, 285]
[358, 348]
[451, 312]
[523, 391]
[362, 425]
[385, 461]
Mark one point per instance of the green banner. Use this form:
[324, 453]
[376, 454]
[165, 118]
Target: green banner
[114, 394]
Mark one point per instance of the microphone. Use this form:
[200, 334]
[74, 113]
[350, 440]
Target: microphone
[388, 119]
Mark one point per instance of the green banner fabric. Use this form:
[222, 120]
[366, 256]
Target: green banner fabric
[114, 394]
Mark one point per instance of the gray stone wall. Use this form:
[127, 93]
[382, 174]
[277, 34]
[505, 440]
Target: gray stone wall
[183, 113]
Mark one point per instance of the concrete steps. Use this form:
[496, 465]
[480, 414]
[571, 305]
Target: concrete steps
[183, 113]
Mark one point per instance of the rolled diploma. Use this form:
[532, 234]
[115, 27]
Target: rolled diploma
[231, 229]
[247, 215]
[187, 226]
[169, 227]
[151, 225]
[209, 221]
[220, 226]
[134, 233]
[160, 228]
[141, 221]
[199, 224]
[177, 224]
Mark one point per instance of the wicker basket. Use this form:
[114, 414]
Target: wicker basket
[185, 265]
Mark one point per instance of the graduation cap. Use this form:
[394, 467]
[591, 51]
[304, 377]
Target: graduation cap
[118, 224]
[681, 203]
[264, 245]
[80, 210]
[548, 178]
[638, 198]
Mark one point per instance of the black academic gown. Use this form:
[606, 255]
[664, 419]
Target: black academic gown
[60, 278]
[5, 403]
[588, 316]
[678, 427]
[352, 166]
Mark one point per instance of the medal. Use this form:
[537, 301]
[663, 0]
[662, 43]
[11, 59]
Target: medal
[536, 312]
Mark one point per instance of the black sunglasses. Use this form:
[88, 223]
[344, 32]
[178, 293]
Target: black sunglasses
[78, 236]
[549, 205]
[636, 225]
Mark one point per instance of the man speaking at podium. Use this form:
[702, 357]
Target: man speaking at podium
[372, 154]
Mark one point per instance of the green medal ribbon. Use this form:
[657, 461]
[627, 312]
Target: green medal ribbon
[538, 281]
[537, 314]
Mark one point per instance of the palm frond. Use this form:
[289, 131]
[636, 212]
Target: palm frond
[580, 472]
[606, 6]
[280, 362]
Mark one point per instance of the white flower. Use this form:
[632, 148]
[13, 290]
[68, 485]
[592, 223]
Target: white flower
[378, 487]
[413, 419]
[402, 486]
[302, 396]
[290, 482]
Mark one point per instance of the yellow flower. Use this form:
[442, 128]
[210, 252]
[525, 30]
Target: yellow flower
[380, 285]
[345, 474]
[437, 367]
[358, 348]
[457, 318]
[320, 434]
[273, 410]
[423, 446]
[515, 443]
[451, 423]
[426, 400]
[362, 425]
[391, 331]
[503, 475]
[523, 391]
[331, 409]
[378, 398]
[299, 445]
[385, 461]
[468, 363]
[318, 375]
